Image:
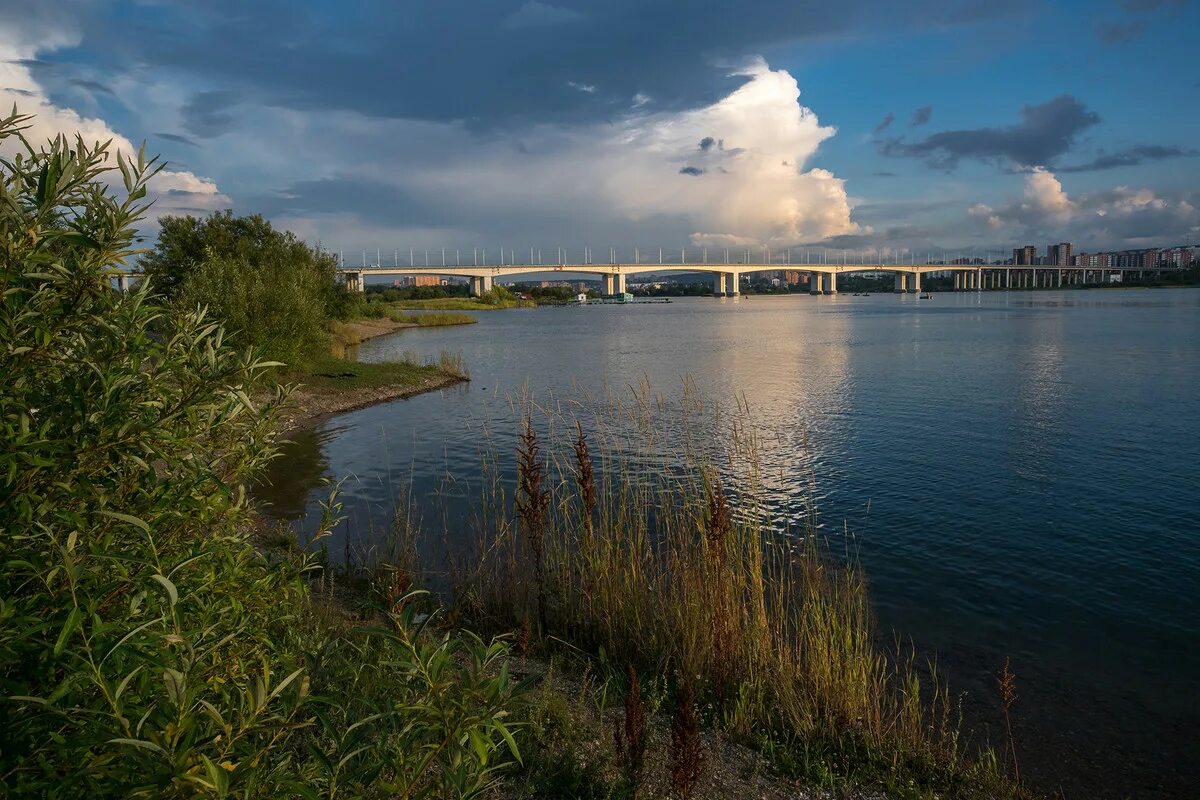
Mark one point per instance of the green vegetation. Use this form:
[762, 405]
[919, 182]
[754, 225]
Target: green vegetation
[342, 375]
[147, 649]
[271, 290]
[434, 319]
[150, 647]
[668, 571]
[498, 297]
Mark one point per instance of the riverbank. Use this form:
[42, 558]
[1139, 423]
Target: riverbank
[459, 304]
[336, 385]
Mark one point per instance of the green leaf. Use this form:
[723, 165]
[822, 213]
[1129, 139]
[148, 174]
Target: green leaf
[508, 737]
[165, 582]
[69, 627]
[127, 518]
[142, 743]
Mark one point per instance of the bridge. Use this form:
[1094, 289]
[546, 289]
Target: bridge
[823, 277]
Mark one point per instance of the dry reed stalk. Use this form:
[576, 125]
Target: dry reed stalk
[687, 750]
[630, 739]
[1007, 683]
[532, 504]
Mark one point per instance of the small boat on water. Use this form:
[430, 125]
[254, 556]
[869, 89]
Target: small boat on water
[926, 296]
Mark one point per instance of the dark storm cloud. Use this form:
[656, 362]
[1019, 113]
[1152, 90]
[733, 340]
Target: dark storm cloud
[1044, 133]
[91, 86]
[707, 143]
[209, 114]
[1114, 32]
[694, 171]
[485, 62]
[175, 137]
[884, 124]
[921, 116]
[1130, 157]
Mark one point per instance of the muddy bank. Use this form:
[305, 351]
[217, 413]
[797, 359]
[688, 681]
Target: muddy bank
[309, 405]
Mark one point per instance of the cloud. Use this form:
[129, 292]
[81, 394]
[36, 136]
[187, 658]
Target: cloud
[178, 138]
[884, 123]
[1131, 157]
[502, 63]
[1116, 32]
[173, 190]
[91, 86]
[583, 87]
[921, 116]
[635, 176]
[540, 15]
[1118, 217]
[209, 114]
[1043, 133]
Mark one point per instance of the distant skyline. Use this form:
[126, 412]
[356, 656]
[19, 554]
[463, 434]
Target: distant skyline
[365, 125]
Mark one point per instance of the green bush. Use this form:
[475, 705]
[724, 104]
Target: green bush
[275, 307]
[147, 649]
[269, 288]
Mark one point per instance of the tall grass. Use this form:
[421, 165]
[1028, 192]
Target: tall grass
[434, 319]
[648, 553]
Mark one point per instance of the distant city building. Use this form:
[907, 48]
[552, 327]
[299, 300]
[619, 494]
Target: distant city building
[792, 278]
[1094, 260]
[1026, 255]
[1175, 257]
[1059, 254]
[426, 280]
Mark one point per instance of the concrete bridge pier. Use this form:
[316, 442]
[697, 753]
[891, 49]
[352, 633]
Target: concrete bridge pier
[831, 283]
[914, 284]
[619, 283]
[901, 283]
[814, 283]
[609, 283]
[122, 283]
[732, 281]
[354, 282]
[718, 284]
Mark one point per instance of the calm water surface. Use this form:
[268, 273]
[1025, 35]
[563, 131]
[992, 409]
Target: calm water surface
[1019, 472]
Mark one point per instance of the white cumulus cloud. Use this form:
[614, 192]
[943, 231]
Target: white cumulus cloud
[735, 172]
[1118, 217]
[172, 190]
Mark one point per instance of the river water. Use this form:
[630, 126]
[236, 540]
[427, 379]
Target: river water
[1019, 472]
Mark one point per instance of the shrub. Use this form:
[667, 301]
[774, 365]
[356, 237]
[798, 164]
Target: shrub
[271, 289]
[147, 649]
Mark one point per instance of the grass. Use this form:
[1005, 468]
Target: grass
[434, 319]
[671, 573]
[458, 304]
[342, 375]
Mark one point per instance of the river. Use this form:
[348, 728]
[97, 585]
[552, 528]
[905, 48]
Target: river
[1019, 471]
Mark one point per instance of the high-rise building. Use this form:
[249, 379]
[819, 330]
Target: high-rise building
[1024, 255]
[426, 280]
[1059, 254]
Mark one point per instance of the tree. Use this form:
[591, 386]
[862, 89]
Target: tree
[271, 289]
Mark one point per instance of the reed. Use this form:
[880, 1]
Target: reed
[643, 553]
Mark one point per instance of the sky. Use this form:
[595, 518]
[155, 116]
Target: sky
[369, 125]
